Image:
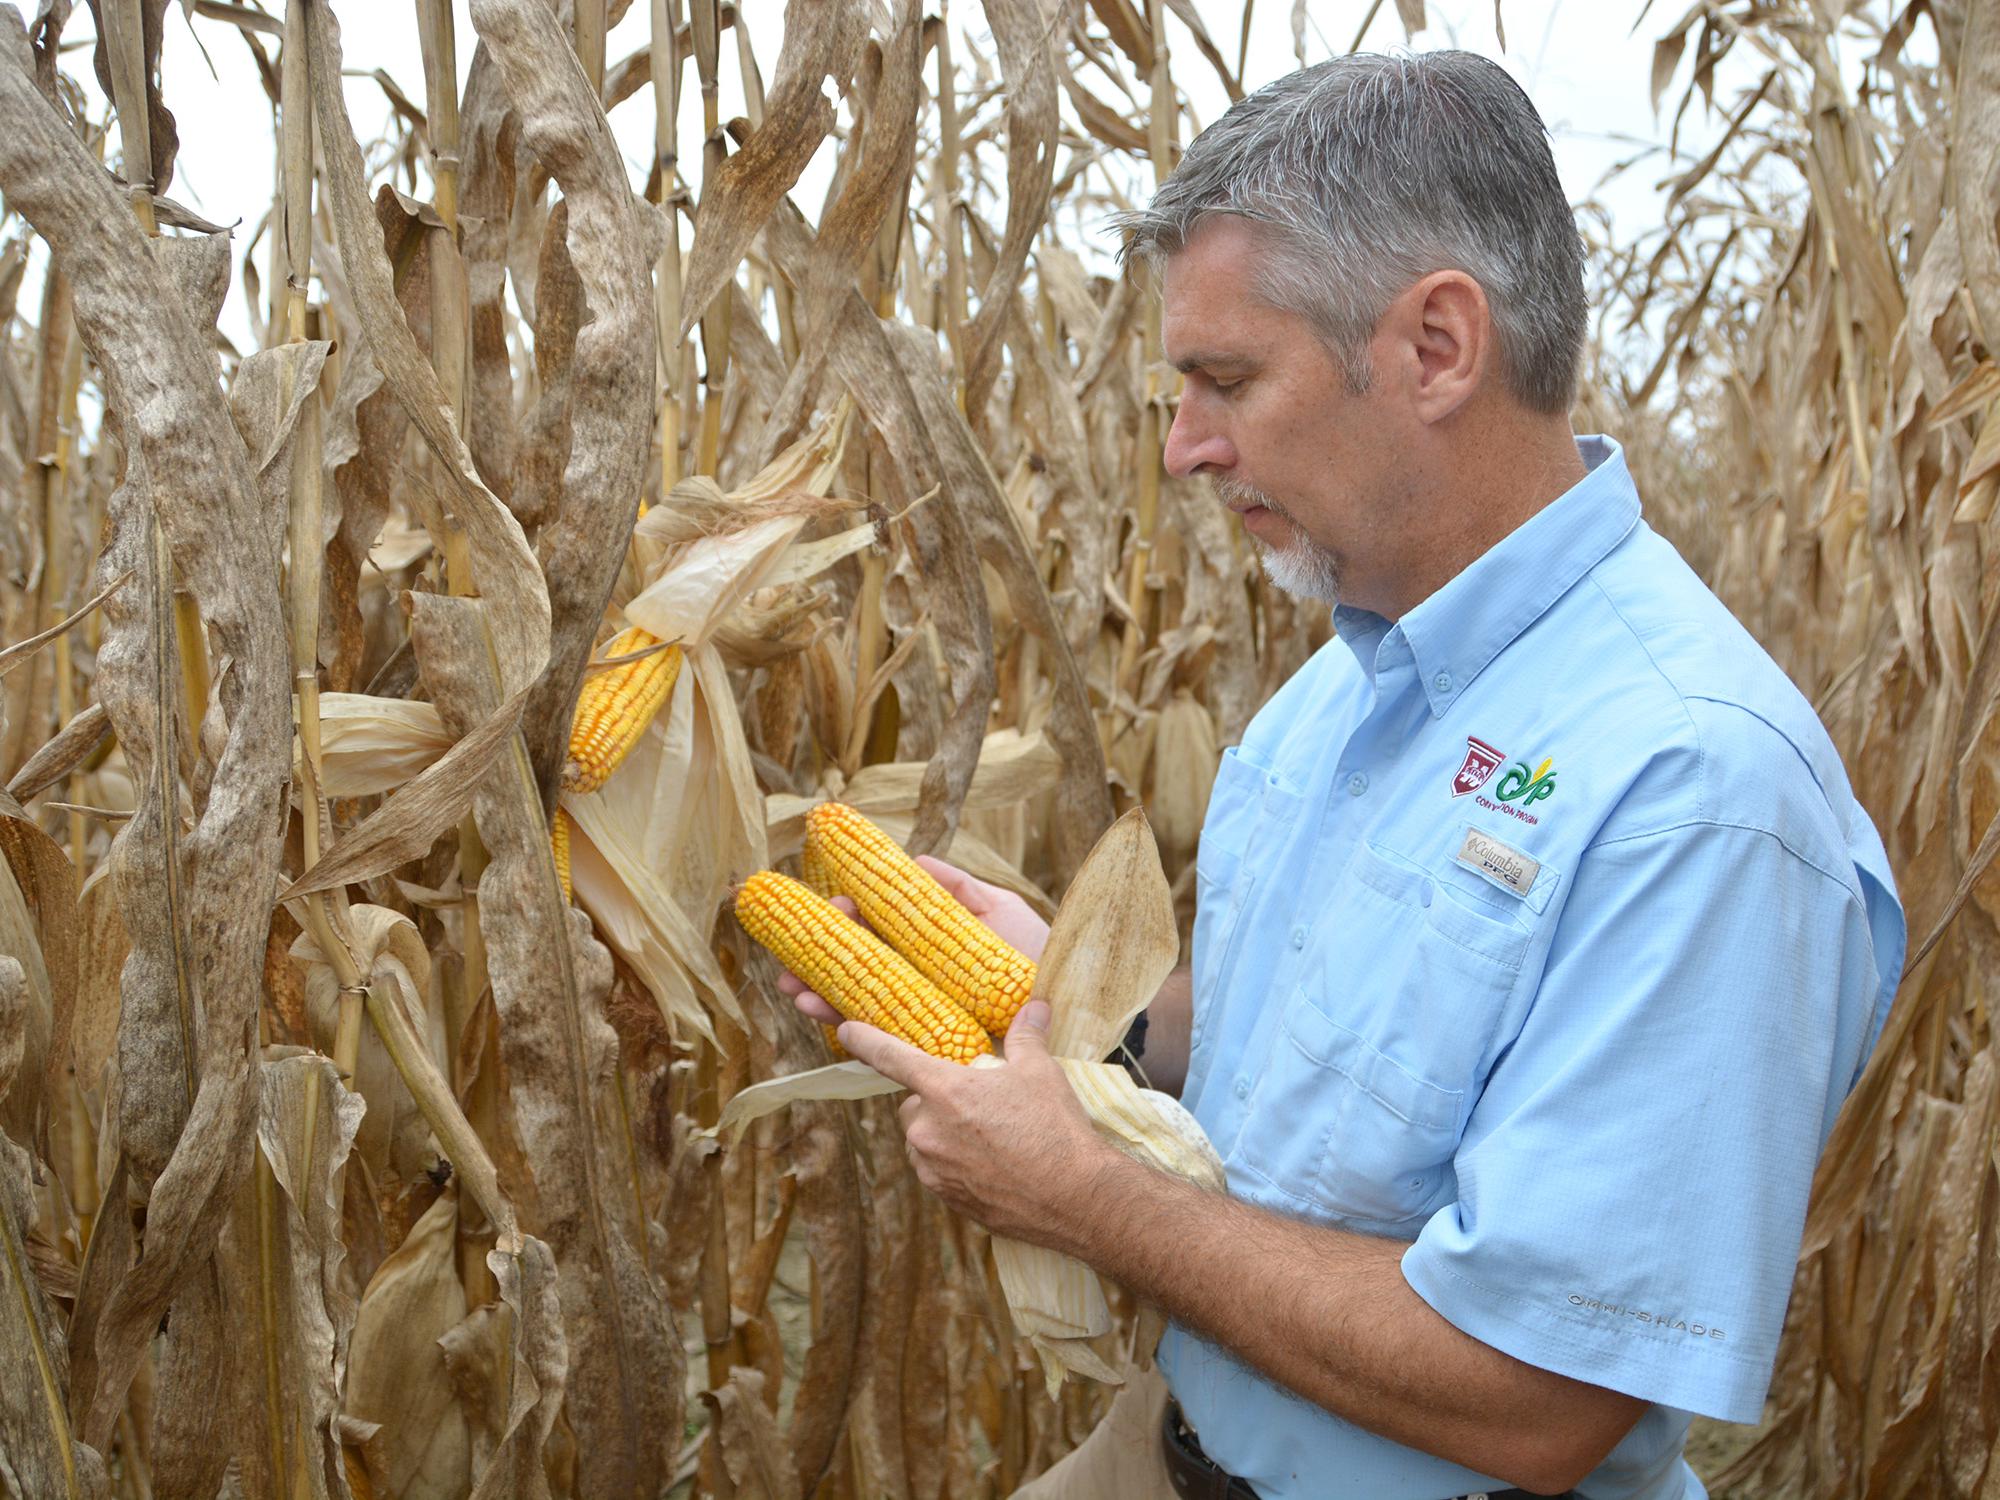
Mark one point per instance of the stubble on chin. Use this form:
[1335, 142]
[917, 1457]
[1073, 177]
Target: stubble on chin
[1300, 567]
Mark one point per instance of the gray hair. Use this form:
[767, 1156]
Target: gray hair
[1371, 172]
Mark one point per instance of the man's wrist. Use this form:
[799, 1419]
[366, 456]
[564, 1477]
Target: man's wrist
[1094, 1196]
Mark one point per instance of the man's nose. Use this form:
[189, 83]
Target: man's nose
[1194, 444]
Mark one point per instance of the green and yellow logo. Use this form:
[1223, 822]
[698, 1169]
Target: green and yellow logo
[1528, 787]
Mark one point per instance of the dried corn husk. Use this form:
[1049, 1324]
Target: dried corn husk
[374, 745]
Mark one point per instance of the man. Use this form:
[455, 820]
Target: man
[1539, 935]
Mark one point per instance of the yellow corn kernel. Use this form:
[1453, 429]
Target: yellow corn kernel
[615, 706]
[859, 975]
[813, 871]
[559, 846]
[923, 921]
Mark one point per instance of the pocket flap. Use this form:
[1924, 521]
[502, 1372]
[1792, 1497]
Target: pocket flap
[1324, 1040]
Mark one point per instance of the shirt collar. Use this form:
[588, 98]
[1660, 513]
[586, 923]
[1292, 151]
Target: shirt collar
[1454, 634]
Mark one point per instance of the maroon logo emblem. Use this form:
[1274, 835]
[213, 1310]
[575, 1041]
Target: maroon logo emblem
[1481, 761]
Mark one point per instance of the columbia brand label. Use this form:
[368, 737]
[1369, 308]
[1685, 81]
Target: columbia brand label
[1506, 867]
[1481, 761]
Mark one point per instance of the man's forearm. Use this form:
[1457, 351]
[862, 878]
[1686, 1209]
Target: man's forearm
[1328, 1314]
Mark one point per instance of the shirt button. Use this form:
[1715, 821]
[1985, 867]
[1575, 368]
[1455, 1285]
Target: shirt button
[1442, 682]
[1242, 1088]
[1424, 894]
[1357, 783]
[1298, 937]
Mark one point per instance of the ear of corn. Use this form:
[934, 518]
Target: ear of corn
[859, 975]
[559, 846]
[813, 868]
[949, 946]
[615, 706]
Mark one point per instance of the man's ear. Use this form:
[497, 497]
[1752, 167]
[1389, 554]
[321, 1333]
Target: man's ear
[1449, 329]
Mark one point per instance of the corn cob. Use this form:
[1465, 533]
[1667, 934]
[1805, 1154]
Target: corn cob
[819, 880]
[923, 921]
[615, 707]
[559, 846]
[813, 869]
[859, 975]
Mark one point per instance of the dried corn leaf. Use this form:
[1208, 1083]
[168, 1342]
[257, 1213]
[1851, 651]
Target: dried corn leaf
[751, 1448]
[290, 1248]
[73, 743]
[613, 238]
[509, 1360]
[133, 311]
[418, 813]
[550, 979]
[1082, 802]
[822, 40]
[38, 927]
[394, 1138]
[1021, 34]
[638, 917]
[43, 1456]
[396, 1365]
[501, 561]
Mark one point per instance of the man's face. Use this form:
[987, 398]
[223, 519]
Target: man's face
[1268, 415]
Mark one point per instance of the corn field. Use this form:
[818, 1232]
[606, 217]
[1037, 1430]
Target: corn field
[344, 1155]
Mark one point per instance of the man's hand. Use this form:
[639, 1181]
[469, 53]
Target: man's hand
[999, 908]
[1009, 1146]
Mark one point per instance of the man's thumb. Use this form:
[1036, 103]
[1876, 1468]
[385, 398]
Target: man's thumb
[1029, 1033]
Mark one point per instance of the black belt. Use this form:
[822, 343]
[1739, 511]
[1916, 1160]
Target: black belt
[1196, 1476]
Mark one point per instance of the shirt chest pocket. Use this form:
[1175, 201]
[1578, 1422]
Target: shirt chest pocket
[1380, 1049]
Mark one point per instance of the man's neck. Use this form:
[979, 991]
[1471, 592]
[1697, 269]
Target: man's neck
[1502, 472]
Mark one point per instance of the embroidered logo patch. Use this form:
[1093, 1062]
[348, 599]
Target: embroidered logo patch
[1481, 761]
[1504, 865]
[1528, 787]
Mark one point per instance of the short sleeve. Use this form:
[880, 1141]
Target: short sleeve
[1632, 1182]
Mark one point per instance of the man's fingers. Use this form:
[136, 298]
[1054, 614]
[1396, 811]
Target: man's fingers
[971, 892]
[891, 1056]
[814, 1007]
[1028, 1036]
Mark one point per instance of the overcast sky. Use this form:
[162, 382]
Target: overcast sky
[1577, 58]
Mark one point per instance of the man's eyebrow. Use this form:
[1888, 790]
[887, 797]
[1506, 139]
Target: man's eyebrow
[1210, 359]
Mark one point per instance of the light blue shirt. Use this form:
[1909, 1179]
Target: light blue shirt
[1542, 929]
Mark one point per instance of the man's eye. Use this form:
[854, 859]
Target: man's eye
[1228, 387]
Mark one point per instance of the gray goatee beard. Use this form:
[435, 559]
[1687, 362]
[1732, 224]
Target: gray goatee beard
[1301, 566]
